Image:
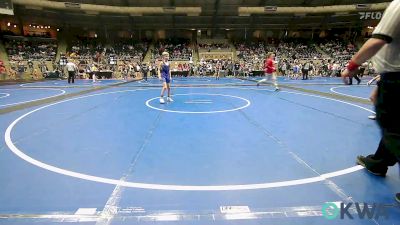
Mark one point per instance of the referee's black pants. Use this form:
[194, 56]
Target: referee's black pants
[71, 76]
[305, 74]
[145, 75]
[355, 77]
[388, 118]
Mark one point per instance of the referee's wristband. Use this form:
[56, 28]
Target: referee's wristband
[352, 66]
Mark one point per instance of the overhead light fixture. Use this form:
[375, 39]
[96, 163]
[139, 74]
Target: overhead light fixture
[270, 8]
[363, 6]
[227, 29]
[342, 13]
[8, 24]
[169, 9]
[15, 25]
[72, 5]
[58, 29]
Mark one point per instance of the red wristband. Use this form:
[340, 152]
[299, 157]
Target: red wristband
[352, 66]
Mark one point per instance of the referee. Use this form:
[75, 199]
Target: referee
[72, 69]
[384, 48]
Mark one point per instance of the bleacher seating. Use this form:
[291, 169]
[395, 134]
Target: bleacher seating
[178, 49]
[22, 49]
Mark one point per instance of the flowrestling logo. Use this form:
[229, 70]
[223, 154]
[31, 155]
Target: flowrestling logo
[370, 15]
[377, 211]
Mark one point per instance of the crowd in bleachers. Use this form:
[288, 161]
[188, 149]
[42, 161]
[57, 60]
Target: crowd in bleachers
[297, 50]
[213, 46]
[21, 49]
[211, 66]
[85, 49]
[93, 56]
[24, 51]
[293, 56]
[2, 67]
[128, 51]
[178, 49]
[338, 50]
[252, 54]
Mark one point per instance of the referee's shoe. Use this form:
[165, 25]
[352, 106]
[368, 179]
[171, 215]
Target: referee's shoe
[372, 165]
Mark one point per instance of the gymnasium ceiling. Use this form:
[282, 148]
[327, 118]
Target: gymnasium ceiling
[215, 14]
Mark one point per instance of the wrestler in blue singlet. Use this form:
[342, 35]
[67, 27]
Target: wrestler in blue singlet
[165, 72]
